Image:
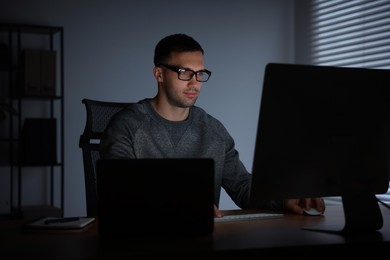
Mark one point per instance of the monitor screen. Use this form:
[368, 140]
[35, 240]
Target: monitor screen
[323, 131]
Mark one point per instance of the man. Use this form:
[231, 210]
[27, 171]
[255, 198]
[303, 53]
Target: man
[171, 126]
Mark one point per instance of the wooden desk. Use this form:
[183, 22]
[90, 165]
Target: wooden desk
[279, 237]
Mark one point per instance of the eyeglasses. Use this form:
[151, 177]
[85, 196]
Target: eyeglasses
[187, 74]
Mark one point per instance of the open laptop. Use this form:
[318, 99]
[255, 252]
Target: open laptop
[155, 197]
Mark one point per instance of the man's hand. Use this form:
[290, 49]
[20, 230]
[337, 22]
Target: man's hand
[217, 212]
[298, 205]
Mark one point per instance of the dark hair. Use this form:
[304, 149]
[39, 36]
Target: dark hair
[174, 43]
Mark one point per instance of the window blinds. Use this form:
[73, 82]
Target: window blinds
[350, 33]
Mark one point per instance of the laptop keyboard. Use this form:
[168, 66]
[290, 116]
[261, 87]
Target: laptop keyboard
[253, 216]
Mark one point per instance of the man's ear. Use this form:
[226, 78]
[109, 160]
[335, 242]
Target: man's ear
[157, 72]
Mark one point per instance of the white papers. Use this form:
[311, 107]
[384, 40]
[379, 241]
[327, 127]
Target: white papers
[61, 224]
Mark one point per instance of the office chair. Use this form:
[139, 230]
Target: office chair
[99, 114]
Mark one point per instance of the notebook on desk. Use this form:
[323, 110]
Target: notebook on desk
[155, 197]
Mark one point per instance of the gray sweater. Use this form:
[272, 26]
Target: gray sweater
[139, 132]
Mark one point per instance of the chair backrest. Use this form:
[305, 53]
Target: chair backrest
[99, 114]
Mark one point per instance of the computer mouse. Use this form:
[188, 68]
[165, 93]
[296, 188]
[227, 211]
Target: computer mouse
[312, 212]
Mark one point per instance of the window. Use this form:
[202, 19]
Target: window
[351, 33]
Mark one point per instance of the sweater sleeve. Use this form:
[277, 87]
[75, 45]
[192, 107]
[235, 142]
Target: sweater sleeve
[236, 181]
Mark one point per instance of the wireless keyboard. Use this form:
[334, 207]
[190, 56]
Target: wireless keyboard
[239, 217]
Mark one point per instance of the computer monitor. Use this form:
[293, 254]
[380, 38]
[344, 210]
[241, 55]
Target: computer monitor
[325, 131]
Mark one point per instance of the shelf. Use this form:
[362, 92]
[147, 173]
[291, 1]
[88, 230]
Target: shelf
[35, 212]
[32, 212]
[48, 97]
[9, 140]
[3, 164]
[26, 28]
[5, 68]
[33, 82]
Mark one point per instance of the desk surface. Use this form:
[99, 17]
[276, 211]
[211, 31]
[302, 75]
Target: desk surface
[281, 237]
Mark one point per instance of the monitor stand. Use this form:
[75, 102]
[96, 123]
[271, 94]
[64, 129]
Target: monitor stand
[361, 214]
[361, 209]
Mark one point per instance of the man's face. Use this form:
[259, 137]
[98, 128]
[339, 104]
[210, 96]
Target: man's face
[176, 92]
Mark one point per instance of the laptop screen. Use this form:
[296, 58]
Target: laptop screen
[155, 197]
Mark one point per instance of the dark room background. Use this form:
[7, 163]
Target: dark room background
[108, 54]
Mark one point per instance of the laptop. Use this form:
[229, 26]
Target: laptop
[155, 197]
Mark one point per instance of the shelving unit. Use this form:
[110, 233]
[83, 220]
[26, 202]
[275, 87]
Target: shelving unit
[32, 122]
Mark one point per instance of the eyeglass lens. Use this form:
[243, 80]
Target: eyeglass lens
[201, 76]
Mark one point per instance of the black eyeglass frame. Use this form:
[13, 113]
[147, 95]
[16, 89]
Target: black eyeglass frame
[178, 70]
